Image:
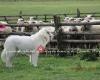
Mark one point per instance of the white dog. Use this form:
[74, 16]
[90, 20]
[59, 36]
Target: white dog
[28, 43]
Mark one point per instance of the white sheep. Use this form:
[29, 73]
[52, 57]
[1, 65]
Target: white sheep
[32, 21]
[94, 28]
[4, 28]
[79, 28]
[66, 19]
[20, 22]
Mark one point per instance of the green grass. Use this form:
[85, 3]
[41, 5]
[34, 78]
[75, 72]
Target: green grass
[47, 7]
[51, 68]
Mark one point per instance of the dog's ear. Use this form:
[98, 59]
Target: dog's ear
[48, 32]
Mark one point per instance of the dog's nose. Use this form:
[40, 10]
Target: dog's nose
[55, 33]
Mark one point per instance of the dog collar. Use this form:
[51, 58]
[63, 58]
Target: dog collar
[41, 49]
[45, 38]
[49, 35]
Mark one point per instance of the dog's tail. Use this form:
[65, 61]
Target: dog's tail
[3, 55]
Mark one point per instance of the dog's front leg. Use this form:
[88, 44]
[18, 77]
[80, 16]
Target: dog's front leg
[34, 59]
[9, 57]
[30, 57]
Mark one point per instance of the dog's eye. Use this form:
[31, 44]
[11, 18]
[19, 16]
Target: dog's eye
[48, 32]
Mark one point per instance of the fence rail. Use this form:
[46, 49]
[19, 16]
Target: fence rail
[45, 17]
[68, 33]
[60, 24]
[79, 41]
[16, 33]
[57, 24]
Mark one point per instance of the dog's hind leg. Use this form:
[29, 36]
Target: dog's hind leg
[6, 57]
[9, 57]
[34, 59]
[3, 55]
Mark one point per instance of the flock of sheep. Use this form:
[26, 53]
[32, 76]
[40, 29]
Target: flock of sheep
[88, 18]
[21, 21]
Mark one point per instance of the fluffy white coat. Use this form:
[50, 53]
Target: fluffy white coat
[16, 42]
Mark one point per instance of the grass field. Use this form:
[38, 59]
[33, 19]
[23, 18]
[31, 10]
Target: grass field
[47, 7]
[50, 68]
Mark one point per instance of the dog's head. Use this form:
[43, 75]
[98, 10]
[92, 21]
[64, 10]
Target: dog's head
[49, 32]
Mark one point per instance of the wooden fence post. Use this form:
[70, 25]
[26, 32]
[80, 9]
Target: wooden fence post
[45, 18]
[20, 14]
[65, 15]
[56, 22]
[5, 18]
[78, 13]
[59, 31]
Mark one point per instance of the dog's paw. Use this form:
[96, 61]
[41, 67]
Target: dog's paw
[35, 65]
[9, 66]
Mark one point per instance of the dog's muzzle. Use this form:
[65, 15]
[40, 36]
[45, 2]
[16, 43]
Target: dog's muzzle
[51, 35]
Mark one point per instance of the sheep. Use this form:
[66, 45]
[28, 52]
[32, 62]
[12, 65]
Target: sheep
[32, 21]
[73, 20]
[94, 28]
[66, 19]
[20, 22]
[4, 28]
[79, 28]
